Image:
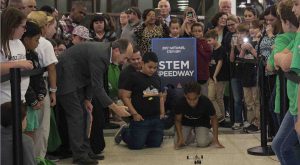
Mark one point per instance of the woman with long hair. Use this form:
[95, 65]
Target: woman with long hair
[190, 18]
[13, 53]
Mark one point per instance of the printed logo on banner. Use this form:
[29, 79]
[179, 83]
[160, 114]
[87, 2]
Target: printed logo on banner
[177, 60]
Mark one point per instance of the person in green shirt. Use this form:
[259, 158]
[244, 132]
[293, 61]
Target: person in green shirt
[284, 142]
[282, 47]
[296, 10]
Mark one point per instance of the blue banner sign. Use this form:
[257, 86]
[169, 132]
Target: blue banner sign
[177, 60]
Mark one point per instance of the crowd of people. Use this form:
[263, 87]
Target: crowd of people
[108, 69]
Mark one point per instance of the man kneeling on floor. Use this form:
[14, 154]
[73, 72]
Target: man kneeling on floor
[195, 114]
[146, 104]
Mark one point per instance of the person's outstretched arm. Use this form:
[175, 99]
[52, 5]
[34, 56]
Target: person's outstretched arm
[180, 141]
[214, 123]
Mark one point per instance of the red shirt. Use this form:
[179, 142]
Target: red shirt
[203, 59]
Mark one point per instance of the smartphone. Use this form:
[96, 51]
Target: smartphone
[157, 12]
[245, 39]
[234, 40]
[189, 14]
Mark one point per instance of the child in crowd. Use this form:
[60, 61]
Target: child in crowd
[59, 48]
[203, 56]
[249, 75]
[47, 59]
[145, 101]
[174, 28]
[195, 114]
[218, 70]
[37, 89]
[289, 59]
[7, 137]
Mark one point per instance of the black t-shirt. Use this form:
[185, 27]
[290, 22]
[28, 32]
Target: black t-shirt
[219, 54]
[249, 71]
[140, 84]
[236, 66]
[124, 75]
[198, 116]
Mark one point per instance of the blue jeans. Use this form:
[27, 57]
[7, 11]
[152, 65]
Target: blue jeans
[144, 133]
[237, 92]
[285, 140]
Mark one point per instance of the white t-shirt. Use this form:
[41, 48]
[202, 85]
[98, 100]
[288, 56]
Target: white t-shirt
[46, 53]
[18, 53]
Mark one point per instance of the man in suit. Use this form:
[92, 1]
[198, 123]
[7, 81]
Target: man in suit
[80, 73]
[165, 9]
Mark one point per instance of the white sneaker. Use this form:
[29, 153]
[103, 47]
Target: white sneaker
[118, 135]
[237, 126]
[246, 124]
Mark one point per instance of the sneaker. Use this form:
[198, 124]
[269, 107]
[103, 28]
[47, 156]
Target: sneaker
[237, 126]
[227, 115]
[94, 156]
[221, 119]
[118, 136]
[251, 129]
[246, 124]
[52, 158]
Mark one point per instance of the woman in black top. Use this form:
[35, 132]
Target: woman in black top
[101, 30]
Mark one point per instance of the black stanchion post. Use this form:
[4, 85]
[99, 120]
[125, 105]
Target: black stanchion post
[283, 94]
[264, 149]
[15, 80]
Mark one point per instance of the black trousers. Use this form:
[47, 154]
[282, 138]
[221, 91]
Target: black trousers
[62, 126]
[97, 138]
[76, 116]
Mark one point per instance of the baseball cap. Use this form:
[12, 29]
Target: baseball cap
[82, 32]
[134, 10]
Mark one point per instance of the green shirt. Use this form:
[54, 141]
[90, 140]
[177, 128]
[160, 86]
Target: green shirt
[292, 88]
[282, 41]
[113, 79]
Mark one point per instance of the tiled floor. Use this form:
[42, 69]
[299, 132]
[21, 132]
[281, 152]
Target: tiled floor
[234, 153]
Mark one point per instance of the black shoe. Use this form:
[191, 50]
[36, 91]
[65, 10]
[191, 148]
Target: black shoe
[96, 157]
[52, 158]
[85, 161]
[251, 129]
[225, 124]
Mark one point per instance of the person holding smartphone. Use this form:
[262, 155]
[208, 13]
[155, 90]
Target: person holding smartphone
[190, 18]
